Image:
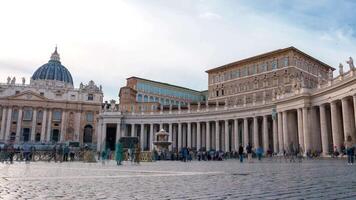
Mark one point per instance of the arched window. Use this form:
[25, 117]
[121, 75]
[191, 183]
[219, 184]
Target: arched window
[88, 134]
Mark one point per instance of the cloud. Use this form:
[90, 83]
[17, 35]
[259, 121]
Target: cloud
[210, 16]
[168, 41]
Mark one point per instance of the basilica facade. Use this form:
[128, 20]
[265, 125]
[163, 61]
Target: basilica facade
[49, 109]
[278, 100]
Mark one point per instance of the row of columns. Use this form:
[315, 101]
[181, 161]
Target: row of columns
[46, 124]
[218, 135]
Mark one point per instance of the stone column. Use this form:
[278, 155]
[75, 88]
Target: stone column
[226, 132]
[217, 136]
[63, 123]
[19, 125]
[33, 126]
[103, 136]
[142, 142]
[306, 130]
[8, 124]
[336, 126]
[300, 128]
[207, 136]
[324, 131]
[180, 137]
[346, 117]
[3, 123]
[151, 137]
[43, 125]
[280, 133]
[77, 125]
[98, 135]
[246, 140]
[198, 136]
[189, 135]
[133, 130]
[236, 135]
[265, 134]
[161, 127]
[285, 131]
[170, 131]
[49, 125]
[118, 132]
[275, 135]
[255, 133]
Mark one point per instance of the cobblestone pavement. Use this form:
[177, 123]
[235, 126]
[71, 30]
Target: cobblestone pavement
[317, 179]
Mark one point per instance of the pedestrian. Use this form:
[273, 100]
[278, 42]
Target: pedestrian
[26, 151]
[241, 153]
[138, 154]
[349, 150]
[103, 156]
[118, 153]
[249, 152]
[259, 152]
[65, 153]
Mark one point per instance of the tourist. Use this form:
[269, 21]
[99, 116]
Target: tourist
[241, 153]
[349, 150]
[10, 153]
[59, 153]
[26, 151]
[259, 152]
[65, 153]
[118, 153]
[249, 152]
[137, 154]
[72, 153]
[103, 156]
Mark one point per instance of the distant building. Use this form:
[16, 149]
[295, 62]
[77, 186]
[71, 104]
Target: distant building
[281, 100]
[49, 109]
[142, 95]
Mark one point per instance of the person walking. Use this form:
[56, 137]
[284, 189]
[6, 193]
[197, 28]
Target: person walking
[138, 154]
[259, 152]
[65, 153]
[350, 150]
[118, 153]
[26, 152]
[249, 152]
[241, 154]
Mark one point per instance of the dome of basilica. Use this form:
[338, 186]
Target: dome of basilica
[53, 70]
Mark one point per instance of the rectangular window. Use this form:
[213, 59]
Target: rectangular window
[57, 115]
[27, 114]
[286, 61]
[274, 65]
[90, 117]
[90, 97]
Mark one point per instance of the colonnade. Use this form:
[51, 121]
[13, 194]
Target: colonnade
[310, 128]
[40, 127]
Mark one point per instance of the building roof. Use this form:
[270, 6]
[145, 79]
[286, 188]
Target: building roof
[278, 51]
[165, 84]
[53, 70]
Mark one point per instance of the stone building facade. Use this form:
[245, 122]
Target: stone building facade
[49, 108]
[278, 100]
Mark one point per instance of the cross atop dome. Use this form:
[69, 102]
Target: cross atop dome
[55, 55]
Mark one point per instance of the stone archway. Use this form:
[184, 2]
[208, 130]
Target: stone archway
[88, 134]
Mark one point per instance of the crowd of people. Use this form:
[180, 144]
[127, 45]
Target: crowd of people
[64, 153]
[28, 152]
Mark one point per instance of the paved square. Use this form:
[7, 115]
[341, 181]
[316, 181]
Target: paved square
[317, 179]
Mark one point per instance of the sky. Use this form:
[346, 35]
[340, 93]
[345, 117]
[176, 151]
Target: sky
[169, 41]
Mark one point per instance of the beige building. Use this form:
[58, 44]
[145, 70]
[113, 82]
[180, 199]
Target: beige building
[49, 108]
[277, 100]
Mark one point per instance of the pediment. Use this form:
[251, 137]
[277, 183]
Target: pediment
[27, 95]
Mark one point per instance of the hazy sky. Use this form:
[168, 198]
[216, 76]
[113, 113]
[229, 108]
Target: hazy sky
[168, 41]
